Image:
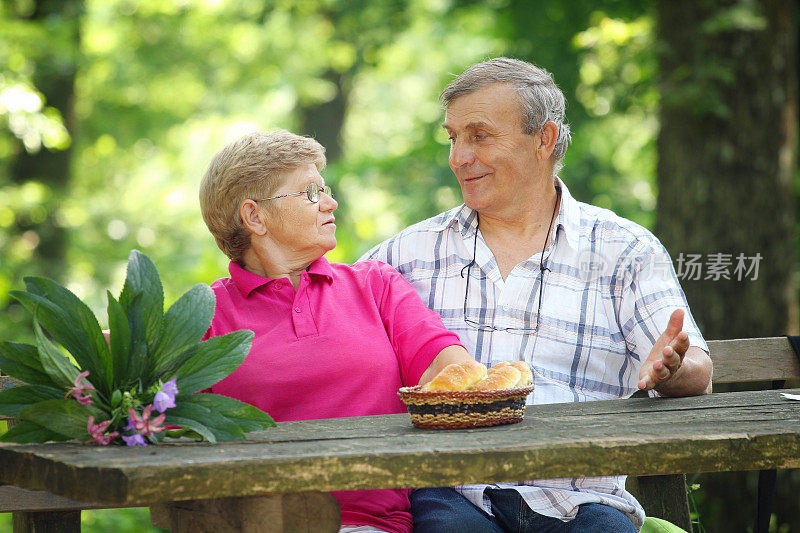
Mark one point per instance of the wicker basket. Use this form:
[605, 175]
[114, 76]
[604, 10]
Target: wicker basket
[464, 409]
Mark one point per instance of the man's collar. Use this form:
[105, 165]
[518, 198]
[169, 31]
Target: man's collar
[247, 282]
[460, 218]
[464, 219]
[569, 217]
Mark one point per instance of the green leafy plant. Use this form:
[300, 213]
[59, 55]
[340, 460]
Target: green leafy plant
[150, 360]
[692, 489]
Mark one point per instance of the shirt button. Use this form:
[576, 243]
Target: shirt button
[278, 286]
[505, 308]
[296, 309]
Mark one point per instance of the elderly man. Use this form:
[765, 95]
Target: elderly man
[524, 271]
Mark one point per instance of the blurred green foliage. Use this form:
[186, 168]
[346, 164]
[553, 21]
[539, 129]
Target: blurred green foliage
[162, 85]
[136, 520]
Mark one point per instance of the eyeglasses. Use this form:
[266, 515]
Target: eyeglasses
[312, 191]
[491, 327]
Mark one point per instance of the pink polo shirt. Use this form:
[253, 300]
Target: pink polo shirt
[340, 345]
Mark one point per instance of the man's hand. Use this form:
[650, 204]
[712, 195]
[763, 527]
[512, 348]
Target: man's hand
[667, 355]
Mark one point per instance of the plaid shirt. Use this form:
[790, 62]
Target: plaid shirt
[609, 290]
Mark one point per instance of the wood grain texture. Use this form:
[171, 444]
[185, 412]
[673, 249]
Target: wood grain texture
[649, 436]
[663, 497]
[49, 522]
[305, 512]
[743, 360]
[16, 499]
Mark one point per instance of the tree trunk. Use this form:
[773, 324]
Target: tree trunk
[728, 160]
[325, 120]
[54, 77]
[727, 150]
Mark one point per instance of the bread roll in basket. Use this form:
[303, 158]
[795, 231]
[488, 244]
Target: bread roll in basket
[466, 395]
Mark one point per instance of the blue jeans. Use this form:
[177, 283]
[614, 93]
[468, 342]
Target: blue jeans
[443, 510]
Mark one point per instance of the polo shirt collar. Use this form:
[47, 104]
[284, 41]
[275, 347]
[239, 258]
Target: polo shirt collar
[247, 282]
[322, 268]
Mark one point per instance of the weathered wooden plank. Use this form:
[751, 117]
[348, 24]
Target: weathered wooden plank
[663, 497]
[650, 436]
[306, 512]
[738, 360]
[16, 499]
[735, 361]
[761, 359]
[35, 510]
[47, 522]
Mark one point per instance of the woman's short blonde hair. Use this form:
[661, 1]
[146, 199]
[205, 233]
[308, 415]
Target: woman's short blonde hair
[250, 167]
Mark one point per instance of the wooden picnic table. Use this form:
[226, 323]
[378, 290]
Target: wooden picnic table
[641, 436]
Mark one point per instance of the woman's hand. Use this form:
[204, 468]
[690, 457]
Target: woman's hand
[449, 355]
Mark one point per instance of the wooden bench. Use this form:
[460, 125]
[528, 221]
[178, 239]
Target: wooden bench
[735, 361]
[768, 360]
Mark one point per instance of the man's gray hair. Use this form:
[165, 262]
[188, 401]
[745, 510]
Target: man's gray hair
[540, 98]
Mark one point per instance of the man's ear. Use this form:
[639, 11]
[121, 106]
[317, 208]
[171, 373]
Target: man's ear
[253, 217]
[547, 140]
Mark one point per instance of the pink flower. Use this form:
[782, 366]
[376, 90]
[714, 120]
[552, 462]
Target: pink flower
[80, 388]
[97, 432]
[143, 424]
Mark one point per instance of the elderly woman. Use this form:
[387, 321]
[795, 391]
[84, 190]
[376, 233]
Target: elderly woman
[331, 340]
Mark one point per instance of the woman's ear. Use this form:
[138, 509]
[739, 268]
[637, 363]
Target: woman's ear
[253, 217]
